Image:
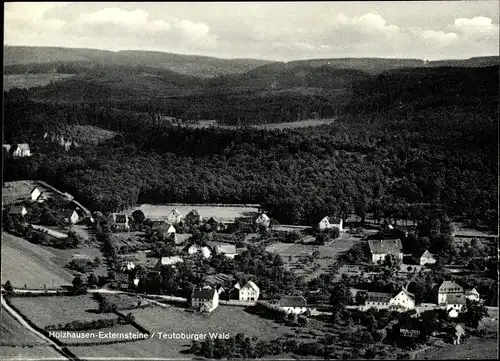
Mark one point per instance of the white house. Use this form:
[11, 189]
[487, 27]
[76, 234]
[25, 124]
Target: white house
[403, 299]
[228, 250]
[18, 211]
[35, 194]
[329, 222]
[193, 249]
[204, 300]
[380, 248]
[120, 222]
[249, 292]
[174, 217]
[168, 261]
[427, 258]
[454, 304]
[69, 216]
[446, 289]
[293, 304]
[472, 294]
[18, 150]
[263, 220]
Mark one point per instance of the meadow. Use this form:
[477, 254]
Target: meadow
[26, 81]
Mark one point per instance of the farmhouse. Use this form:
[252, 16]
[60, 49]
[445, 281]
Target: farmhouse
[35, 194]
[329, 222]
[163, 229]
[19, 211]
[193, 249]
[168, 261]
[68, 216]
[120, 222]
[410, 328]
[403, 300]
[174, 217]
[193, 217]
[293, 304]
[472, 294]
[18, 150]
[446, 289]
[228, 250]
[215, 225]
[380, 248]
[263, 220]
[204, 300]
[427, 258]
[249, 292]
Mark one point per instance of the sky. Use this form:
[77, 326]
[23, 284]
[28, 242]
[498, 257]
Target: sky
[281, 31]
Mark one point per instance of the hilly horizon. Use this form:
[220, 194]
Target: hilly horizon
[21, 58]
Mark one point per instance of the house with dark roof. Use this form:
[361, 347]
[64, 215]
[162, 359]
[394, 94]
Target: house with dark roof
[330, 222]
[18, 150]
[19, 211]
[120, 222]
[204, 300]
[194, 249]
[293, 304]
[168, 261]
[447, 289]
[193, 217]
[401, 301]
[380, 248]
[472, 294]
[174, 217]
[410, 328]
[68, 216]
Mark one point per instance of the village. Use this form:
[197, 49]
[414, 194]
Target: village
[207, 262]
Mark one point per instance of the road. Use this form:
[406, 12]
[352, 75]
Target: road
[25, 324]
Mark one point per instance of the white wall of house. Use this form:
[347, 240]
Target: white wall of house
[402, 299]
[248, 294]
[35, 194]
[296, 310]
[378, 257]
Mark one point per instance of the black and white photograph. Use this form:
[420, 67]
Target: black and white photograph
[268, 180]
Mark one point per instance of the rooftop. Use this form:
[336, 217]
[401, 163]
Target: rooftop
[206, 294]
[385, 246]
[292, 301]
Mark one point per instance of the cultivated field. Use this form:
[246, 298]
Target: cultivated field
[222, 213]
[24, 263]
[50, 310]
[26, 81]
[64, 257]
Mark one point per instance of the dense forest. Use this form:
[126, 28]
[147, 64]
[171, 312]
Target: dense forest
[429, 146]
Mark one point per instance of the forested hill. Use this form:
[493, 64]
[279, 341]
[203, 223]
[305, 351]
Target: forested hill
[435, 144]
[202, 66]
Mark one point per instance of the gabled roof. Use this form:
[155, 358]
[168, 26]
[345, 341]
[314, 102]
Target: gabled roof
[251, 284]
[168, 261]
[206, 294]
[456, 299]
[226, 248]
[263, 216]
[121, 218]
[175, 211]
[67, 213]
[471, 291]
[36, 188]
[385, 246]
[449, 285]
[292, 301]
[410, 295]
[334, 220]
[378, 297]
[23, 146]
[427, 254]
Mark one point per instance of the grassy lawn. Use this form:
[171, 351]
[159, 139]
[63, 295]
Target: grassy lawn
[33, 353]
[24, 263]
[475, 348]
[50, 310]
[12, 333]
[64, 256]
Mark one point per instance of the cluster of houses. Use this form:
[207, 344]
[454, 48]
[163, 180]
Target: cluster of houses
[18, 150]
[451, 297]
[381, 248]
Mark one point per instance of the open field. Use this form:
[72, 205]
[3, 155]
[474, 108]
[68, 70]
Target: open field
[222, 213]
[27, 353]
[20, 190]
[24, 263]
[272, 126]
[50, 310]
[89, 134]
[12, 333]
[472, 349]
[64, 257]
[26, 81]
[231, 320]
[462, 229]
[225, 319]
